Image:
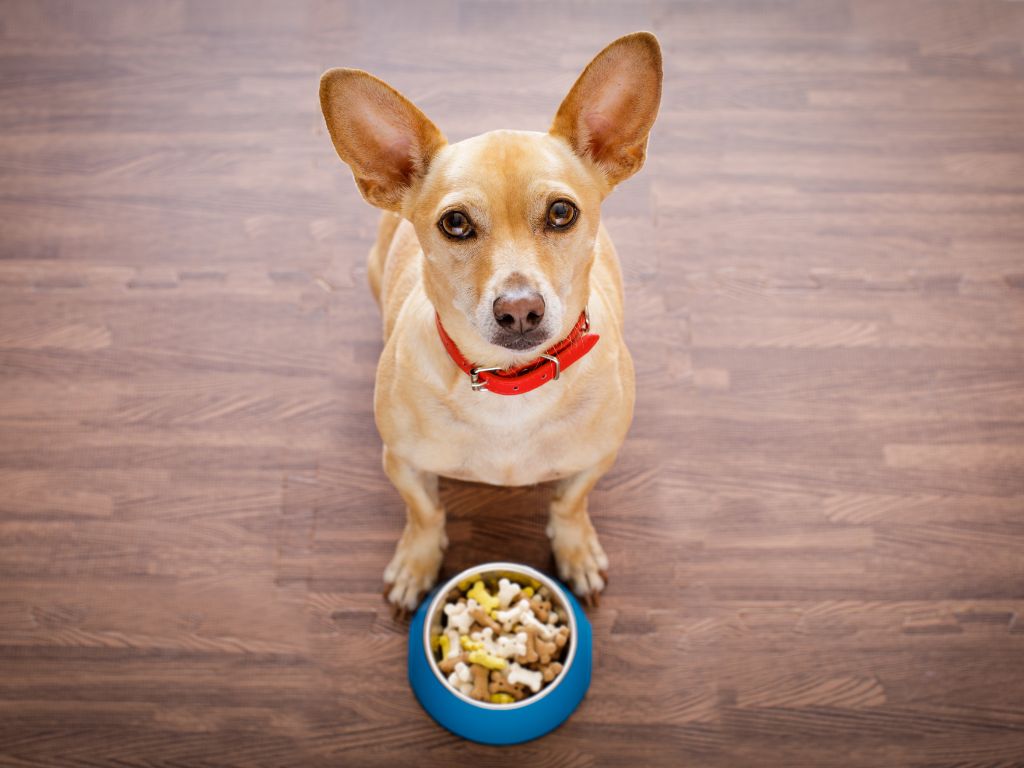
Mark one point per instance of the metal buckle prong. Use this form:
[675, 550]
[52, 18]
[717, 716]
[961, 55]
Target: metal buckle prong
[558, 365]
[478, 384]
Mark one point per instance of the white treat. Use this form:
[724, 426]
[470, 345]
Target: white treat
[508, 646]
[528, 677]
[546, 631]
[461, 678]
[506, 591]
[486, 636]
[515, 615]
[459, 617]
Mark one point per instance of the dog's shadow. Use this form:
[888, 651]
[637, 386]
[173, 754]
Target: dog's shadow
[489, 523]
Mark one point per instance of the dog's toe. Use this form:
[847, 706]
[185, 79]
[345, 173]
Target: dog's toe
[581, 561]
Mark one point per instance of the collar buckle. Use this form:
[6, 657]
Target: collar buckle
[558, 365]
[478, 384]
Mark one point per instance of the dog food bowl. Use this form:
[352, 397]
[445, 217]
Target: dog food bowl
[499, 723]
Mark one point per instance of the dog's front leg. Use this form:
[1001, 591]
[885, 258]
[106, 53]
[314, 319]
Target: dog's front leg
[578, 553]
[413, 570]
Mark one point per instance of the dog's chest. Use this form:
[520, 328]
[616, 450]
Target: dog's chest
[508, 440]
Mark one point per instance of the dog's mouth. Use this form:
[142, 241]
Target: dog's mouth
[520, 342]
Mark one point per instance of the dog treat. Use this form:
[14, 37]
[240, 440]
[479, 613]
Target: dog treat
[500, 684]
[480, 690]
[528, 677]
[483, 598]
[501, 641]
[562, 636]
[484, 619]
[507, 592]
[545, 650]
[550, 671]
[514, 615]
[461, 678]
[459, 616]
[541, 608]
[450, 663]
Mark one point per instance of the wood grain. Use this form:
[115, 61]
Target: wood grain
[816, 525]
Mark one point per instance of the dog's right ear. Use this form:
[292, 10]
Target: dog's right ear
[386, 141]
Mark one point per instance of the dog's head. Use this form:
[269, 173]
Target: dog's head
[507, 220]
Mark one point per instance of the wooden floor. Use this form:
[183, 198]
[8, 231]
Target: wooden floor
[816, 526]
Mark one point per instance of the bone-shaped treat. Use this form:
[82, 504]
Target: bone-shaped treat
[550, 671]
[541, 608]
[459, 616]
[449, 643]
[546, 631]
[517, 614]
[485, 637]
[507, 591]
[528, 677]
[479, 692]
[500, 684]
[485, 620]
[546, 650]
[449, 664]
[529, 654]
[507, 647]
[482, 597]
[461, 678]
[562, 636]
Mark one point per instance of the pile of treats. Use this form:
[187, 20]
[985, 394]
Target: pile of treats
[504, 646]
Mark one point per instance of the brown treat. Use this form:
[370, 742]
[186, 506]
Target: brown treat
[550, 671]
[531, 647]
[562, 637]
[561, 616]
[453, 595]
[500, 684]
[448, 665]
[546, 650]
[544, 592]
[482, 616]
[479, 692]
[541, 608]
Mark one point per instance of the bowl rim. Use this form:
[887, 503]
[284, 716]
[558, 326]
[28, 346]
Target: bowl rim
[524, 570]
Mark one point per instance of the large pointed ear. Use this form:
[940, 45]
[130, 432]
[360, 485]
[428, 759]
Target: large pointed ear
[610, 110]
[386, 141]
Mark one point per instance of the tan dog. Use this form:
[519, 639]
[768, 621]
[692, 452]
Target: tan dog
[499, 238]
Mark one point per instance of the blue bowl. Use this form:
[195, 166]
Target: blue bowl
[500, 723]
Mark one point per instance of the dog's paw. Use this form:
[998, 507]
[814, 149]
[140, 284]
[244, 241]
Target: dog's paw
[414, 568]
[581, 561]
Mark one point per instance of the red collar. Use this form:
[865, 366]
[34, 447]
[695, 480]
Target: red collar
[516, 381]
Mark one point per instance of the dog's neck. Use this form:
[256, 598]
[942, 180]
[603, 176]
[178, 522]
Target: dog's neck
[524, 378]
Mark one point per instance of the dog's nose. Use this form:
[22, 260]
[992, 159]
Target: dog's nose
[522, 313]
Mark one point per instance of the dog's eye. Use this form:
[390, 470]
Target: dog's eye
[561, 214]
[456, 224]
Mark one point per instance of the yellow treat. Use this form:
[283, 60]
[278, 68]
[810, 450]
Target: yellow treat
[479, 593]
[528, 591]
[470, 645]
[501, 698]
[444, 644]
[464, 585]
[486, 660]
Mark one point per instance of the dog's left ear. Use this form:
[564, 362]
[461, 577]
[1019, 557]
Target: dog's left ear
[609, 112]
[386, 141]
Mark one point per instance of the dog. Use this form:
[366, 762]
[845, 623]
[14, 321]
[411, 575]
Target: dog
[496, 281]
